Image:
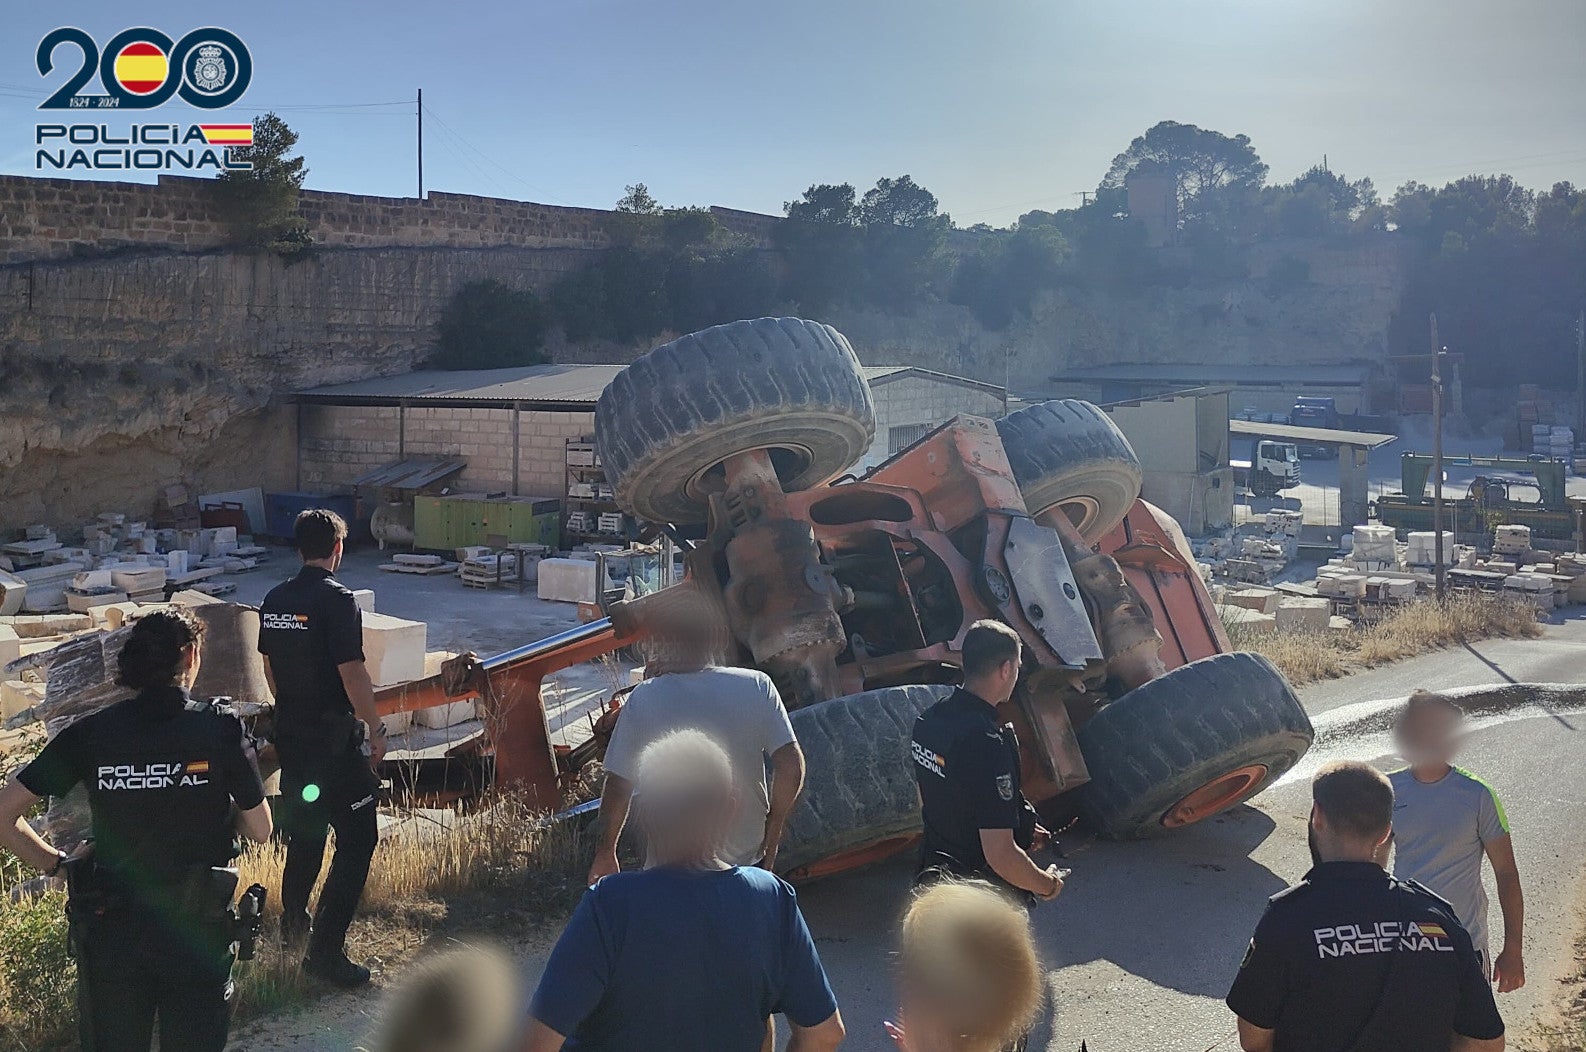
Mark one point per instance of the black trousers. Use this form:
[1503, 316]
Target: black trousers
[135, 970]
[318, 796]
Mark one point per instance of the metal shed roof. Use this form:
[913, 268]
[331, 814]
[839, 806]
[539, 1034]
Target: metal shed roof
[561, 386]
[1296, 433]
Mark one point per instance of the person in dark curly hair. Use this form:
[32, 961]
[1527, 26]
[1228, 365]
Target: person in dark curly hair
[170, 784]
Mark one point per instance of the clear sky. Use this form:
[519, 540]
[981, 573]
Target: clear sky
[999, 106]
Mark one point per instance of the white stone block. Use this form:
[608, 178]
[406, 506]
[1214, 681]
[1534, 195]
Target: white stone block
[16, 696]
[567, 580]
[1302, 614]
[394, 648]
[397, 723]
[364, 597]
[1248, 620]
[1261, 600]
[10, 645]
[440, 716]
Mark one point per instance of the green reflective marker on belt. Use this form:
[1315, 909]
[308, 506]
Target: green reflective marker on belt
[310, 793]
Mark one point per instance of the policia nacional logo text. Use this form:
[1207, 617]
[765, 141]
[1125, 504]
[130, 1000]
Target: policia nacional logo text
[140, 69]
[136, 776]
[1348, 940]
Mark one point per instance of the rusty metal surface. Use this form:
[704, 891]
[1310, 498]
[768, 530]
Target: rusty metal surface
[411, 474]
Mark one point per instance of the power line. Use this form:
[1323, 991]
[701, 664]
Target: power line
[490, 160]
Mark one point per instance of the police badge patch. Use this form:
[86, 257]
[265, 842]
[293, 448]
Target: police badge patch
[1005, 786]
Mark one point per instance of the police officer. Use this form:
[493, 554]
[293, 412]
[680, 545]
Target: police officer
[1352, 960]
[169, 785]
[330, 743]
[966, 762]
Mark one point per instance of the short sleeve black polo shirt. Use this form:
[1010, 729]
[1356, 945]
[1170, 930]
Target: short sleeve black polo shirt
[967, 767]
[1352, 960]
[309, 626]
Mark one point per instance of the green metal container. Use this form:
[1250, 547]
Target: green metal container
[462, 520]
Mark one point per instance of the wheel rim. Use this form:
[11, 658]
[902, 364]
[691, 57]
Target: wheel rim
[1216, 795]
[1079, 511]
[788, 460]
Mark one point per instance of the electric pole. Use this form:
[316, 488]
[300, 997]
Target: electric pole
[1437, 460]
[1580, 376]
[421, 143]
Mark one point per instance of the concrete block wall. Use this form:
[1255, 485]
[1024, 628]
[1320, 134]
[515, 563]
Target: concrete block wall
[915, 400]
[481, 436]
[542, 449]
[338, 443]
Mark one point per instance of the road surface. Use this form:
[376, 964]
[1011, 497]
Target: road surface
[1143, 943]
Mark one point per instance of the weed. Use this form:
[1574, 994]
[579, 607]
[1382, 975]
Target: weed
[1415, 628]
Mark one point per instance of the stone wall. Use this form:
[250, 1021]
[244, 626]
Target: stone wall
[60, 218]
[339, 443]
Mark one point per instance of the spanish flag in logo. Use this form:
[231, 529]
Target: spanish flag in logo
[227, 134]
[141, 68]
[1436, 931]
[198, 767]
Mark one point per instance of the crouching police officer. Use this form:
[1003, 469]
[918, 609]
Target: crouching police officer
[330, 743]
[966, 763]
[169, 785]
[1352, 960]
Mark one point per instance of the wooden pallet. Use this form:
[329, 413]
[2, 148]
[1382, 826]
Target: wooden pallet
[423, 571]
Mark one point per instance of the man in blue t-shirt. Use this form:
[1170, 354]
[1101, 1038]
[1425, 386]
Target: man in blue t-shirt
[690, 955]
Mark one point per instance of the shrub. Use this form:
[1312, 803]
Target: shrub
[38, 981]
[488, 325]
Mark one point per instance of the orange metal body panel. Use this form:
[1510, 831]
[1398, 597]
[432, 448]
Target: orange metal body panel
[1150, 547]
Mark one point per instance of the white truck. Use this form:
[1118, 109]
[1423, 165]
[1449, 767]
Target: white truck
[1272, 468]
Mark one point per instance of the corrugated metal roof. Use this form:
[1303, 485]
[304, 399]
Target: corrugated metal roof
[578, 384]
[1197, 374]
[1296, 433]
[542, 384]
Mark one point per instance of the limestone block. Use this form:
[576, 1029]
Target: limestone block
[393, 648]
[10, 645]
[1261, 600]
[1244, 619]
[440, 716]
[16, 695]
[1301, 614]
[364, 597]
[567, 580]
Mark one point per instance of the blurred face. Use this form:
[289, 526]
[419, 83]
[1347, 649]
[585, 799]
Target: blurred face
[1428, 734]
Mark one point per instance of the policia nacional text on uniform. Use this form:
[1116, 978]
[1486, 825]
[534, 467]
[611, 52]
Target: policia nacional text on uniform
[169, 784]
[330, 743]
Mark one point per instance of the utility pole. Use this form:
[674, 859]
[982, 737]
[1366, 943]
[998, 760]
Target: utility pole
[421, 143]
[1580, 377]
[1437, 460]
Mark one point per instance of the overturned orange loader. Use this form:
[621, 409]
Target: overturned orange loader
[854, 594]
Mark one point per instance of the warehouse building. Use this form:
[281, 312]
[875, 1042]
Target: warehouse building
[512, 426]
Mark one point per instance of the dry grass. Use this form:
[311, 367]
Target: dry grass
[498, 869]
[1415, 628]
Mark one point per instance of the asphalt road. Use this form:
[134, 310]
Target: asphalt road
[1143, 943]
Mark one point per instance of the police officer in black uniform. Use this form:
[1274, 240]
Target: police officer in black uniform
[1352, 960]
[330, 743]
[169, 784]
[966, 762]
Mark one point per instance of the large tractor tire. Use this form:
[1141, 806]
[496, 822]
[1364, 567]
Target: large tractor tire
[1070, 455]
[859, 801]
[1190, 744]
[786, 385]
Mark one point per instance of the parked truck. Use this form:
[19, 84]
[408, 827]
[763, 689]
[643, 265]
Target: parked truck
[1272, 467]
[1310, 411]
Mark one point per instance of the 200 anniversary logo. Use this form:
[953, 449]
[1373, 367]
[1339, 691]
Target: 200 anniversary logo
[140, 69]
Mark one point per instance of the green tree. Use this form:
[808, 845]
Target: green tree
[1207, 166]
[1001, 279]
[636, 200]
[260, 205]
[905, 233]
[489, 325]
[823, 246]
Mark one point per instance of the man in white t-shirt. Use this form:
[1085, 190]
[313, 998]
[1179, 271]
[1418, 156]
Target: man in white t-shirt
[738, 708]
